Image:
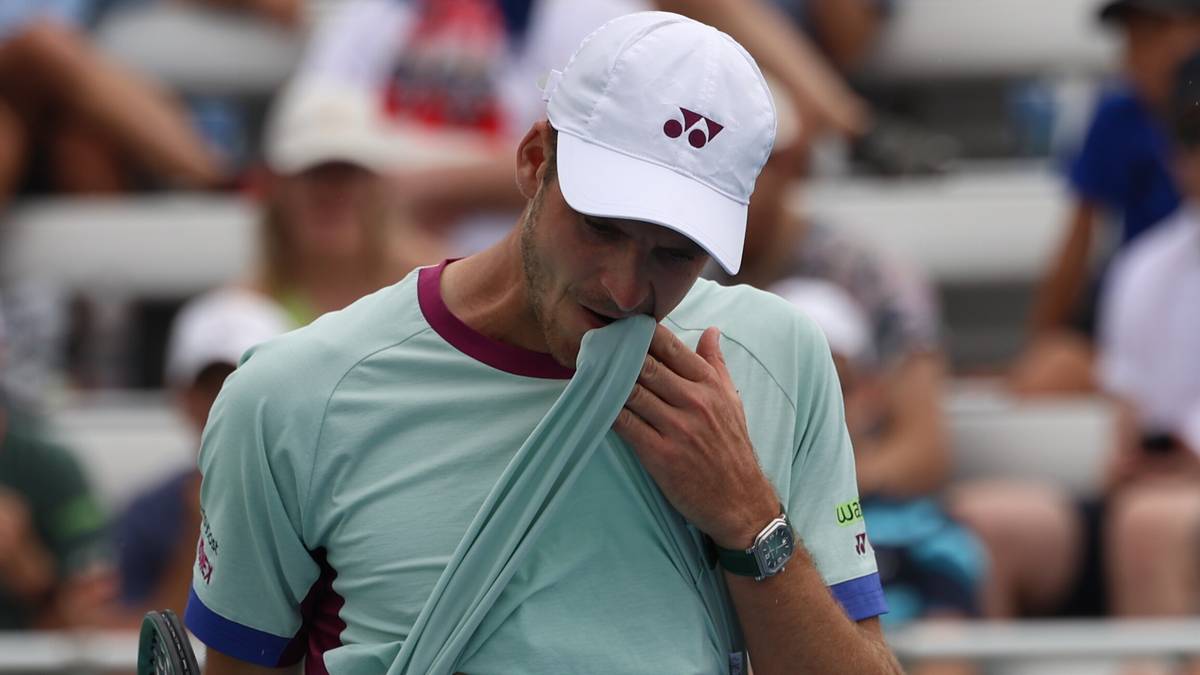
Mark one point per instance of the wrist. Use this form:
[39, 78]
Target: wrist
[748, 524]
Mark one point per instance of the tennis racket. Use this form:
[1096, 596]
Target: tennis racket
[163, 646]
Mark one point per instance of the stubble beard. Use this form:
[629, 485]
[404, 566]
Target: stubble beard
[537, 280]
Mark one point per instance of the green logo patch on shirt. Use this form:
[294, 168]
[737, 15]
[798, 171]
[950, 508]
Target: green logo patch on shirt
[849, 513]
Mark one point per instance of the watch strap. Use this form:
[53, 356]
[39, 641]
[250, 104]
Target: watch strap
[741, 563]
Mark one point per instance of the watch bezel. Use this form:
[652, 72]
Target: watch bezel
[777, 527]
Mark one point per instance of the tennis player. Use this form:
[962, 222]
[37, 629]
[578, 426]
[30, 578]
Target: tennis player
[343, 462]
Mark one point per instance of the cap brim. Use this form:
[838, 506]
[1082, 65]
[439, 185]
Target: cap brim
[605, 183]
[302, 154]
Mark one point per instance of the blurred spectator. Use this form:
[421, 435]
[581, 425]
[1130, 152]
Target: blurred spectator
[1150, 320]
[330, 233]
[845, 30]
[930, 566]
[1121, 172]
[158, 532]
[58, 93]
[470, 67]
[55, 569]
[881, 321]
[329, 237]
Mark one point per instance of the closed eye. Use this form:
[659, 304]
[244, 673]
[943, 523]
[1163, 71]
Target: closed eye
[677, 255]
[602, 229]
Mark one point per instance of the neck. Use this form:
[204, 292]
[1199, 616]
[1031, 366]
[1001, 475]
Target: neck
[488, 292]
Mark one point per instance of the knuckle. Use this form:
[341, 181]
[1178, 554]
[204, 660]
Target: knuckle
[649, 367]
[624, 418]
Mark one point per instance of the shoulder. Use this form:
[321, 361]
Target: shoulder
[167, 493]
[28, 444]
[1160, 253]
[300, 370]
[1118, 106]
[1119, 120]
[767, 327]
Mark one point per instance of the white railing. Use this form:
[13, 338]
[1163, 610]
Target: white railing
[86, 653]
[83, 653]
[1048, 639]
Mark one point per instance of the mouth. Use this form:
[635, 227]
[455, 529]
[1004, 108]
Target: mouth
[597, 319]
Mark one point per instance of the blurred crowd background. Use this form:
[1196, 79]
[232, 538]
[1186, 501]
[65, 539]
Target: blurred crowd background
[985, 204]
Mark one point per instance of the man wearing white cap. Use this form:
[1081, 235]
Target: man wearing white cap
[344, 464]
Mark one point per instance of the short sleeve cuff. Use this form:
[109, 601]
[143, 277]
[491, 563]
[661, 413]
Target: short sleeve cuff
[862, 598]
[235, 640]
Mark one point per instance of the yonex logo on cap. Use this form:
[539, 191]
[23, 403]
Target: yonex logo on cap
[698, 138]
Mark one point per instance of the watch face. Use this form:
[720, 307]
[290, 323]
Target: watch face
[775, 548]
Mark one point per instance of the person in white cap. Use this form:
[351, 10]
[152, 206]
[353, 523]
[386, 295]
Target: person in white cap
[329, 234]
[343, 463]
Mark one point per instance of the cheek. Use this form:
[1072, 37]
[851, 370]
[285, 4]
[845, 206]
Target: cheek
[672, 287]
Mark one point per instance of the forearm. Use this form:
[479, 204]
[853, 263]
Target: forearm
[847, 29]
[793, 624]
[29, 574]
[904, 466]
[913, 456]
[1065, 281]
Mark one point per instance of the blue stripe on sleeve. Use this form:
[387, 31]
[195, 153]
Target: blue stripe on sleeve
[862, 598]
[233, 639]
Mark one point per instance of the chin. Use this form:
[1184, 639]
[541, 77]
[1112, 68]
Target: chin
[565, 352]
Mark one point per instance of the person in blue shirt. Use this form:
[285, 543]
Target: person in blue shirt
[1120, 174]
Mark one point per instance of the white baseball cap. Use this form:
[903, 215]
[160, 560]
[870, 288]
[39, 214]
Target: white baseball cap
[219, 327]
[318, 120]
[665, 120]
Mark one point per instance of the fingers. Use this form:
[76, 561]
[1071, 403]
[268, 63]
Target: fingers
[650, 408]
[668, 385]
[709, 348]
[635, 431]
[675, 355]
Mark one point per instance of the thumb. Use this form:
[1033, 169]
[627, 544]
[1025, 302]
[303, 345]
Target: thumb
[709, 348]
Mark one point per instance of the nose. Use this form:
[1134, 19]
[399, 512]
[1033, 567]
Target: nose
[626, 282]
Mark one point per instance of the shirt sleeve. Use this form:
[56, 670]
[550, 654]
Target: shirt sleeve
[823, 505]
[1099, 172]
[253, 569]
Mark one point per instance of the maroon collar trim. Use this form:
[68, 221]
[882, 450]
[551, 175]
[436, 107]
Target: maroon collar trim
[478, 346]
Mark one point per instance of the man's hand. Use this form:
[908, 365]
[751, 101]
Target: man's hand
[685, 422]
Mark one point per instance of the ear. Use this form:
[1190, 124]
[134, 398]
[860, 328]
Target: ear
[531, 158]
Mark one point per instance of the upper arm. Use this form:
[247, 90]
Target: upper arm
[823, 501]
[915, 392]
[255, 459]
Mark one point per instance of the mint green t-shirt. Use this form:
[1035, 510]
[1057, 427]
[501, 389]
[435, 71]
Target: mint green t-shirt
[344, 461]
